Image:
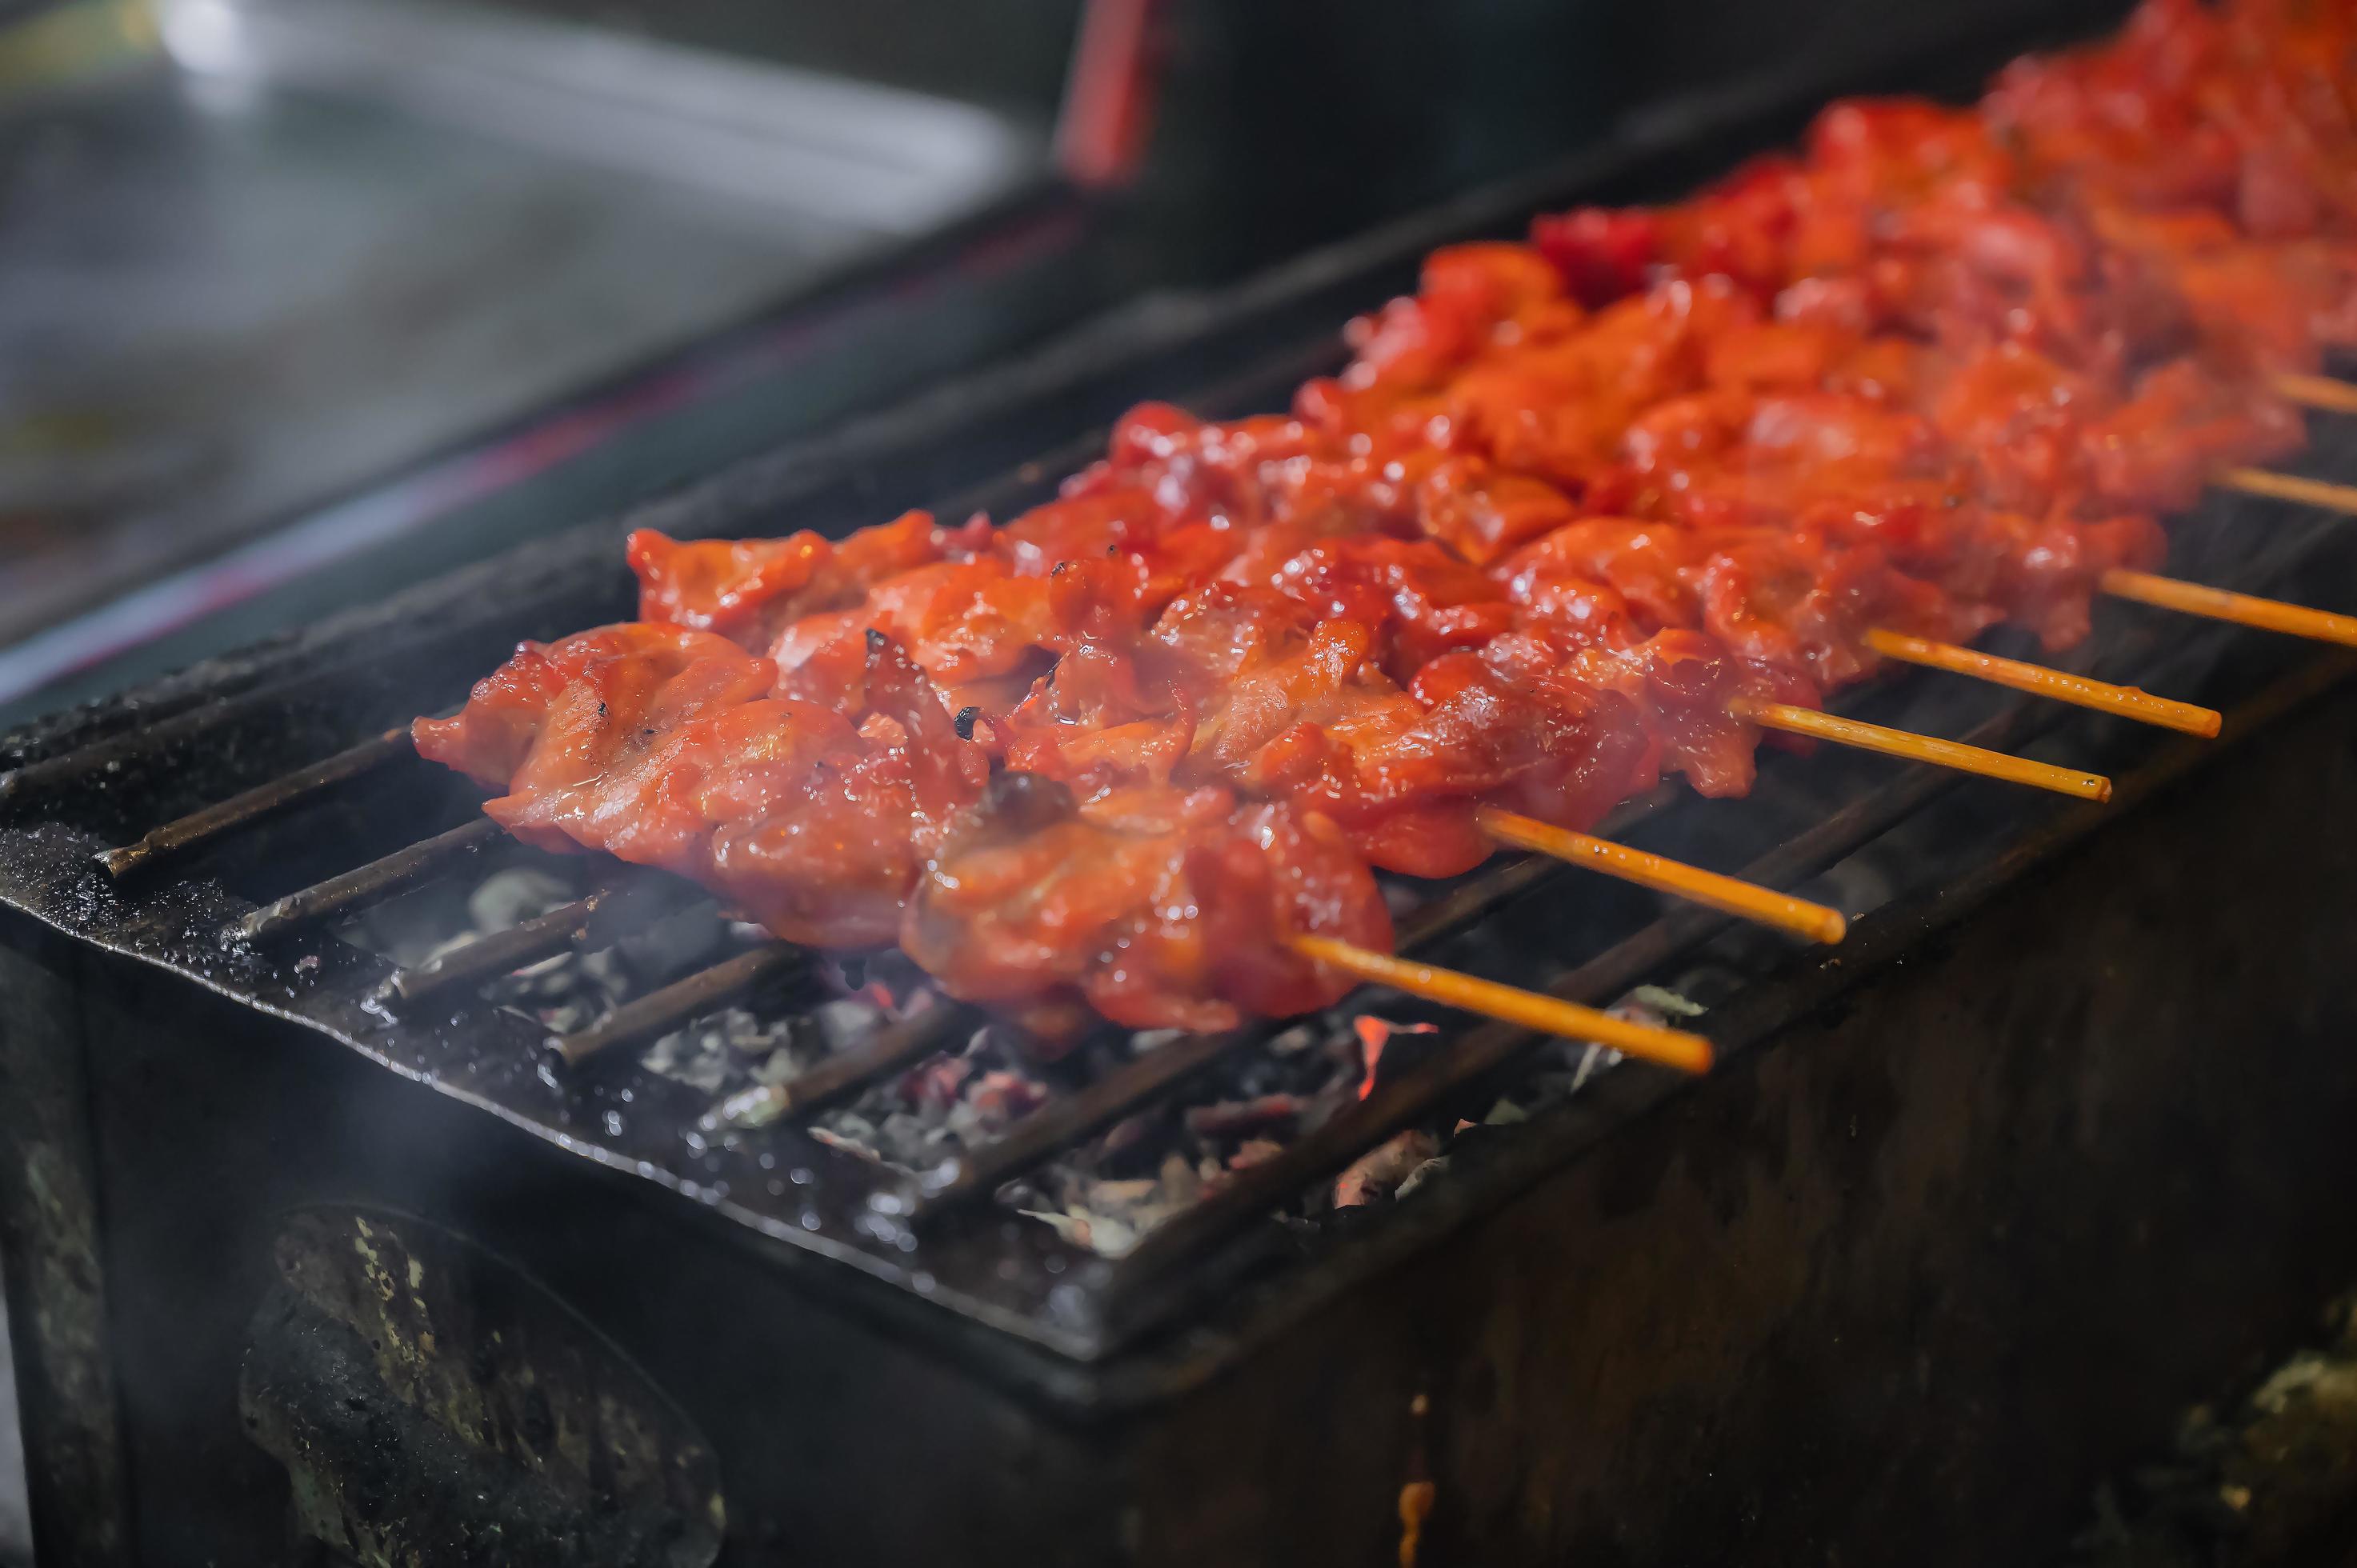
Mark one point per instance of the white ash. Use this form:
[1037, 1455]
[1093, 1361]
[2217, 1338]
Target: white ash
[511, 897]
[439, 917]
[1097, 1196]
[1104, 1194]
[572, 991]
[956, 1101]
[1109, 1216]
[734, 1047]
[737, 1048]
[1110, 1192]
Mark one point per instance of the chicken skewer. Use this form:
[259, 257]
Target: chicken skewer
[661, 746]
[702, 582]
[1745, 704]
[1686, 445]
[1770, 709]
[2035, 220]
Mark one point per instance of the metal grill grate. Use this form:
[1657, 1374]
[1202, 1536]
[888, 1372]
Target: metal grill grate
[125, 833]
[890, 1206]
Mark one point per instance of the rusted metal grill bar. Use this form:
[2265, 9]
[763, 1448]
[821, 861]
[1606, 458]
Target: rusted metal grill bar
[1060, 1123]
[893, 1047]
[658, 1013]
[177, 837]
[367, 884]
[1047, 1131]
[1067, 1119]
[501, 952]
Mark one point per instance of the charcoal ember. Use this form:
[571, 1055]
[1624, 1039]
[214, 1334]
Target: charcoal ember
[1250, 1106]
[1109, 1216]
[1229, 1118]
[982, 1113]
[1253, 1151]
[1002, 1096]
[958, 1101]
[940, 1082]
[1378, 1173]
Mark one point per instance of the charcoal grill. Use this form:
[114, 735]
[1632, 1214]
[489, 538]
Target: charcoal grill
[317, 1257]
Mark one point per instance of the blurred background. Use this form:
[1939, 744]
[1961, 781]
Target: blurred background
[302, 301]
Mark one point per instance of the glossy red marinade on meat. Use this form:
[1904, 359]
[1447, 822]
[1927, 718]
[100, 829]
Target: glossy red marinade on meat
[1935, 370]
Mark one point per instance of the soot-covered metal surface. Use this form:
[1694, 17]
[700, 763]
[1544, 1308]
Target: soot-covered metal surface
[1602, 1297]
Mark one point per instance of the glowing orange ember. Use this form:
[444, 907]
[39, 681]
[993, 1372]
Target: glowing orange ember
[1374, 1033]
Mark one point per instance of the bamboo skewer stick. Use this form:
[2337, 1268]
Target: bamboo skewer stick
[2325, 392]
[2128, 702]
[1511, 1005]
[1793, 720]
[2218, 604]
[2290, 487]
[1729, 895]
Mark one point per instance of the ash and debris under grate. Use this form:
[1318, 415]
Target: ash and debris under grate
[1106, 1194]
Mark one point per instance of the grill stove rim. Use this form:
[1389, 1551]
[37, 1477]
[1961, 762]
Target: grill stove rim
[1114, 1369]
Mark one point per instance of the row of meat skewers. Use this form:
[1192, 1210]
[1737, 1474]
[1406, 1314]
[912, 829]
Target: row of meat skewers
[1580, 513]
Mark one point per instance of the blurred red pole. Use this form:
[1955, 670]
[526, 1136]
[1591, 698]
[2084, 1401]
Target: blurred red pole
[1108, 105]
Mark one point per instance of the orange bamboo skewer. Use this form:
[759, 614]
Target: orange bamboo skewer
[1509, 1003]
[1915, 747]
[2218, 604]
[2128, 702]
[2290, 487]
[1728, 893]
[2325, 393]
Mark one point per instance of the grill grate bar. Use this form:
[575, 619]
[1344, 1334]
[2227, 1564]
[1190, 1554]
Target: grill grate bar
[660, 1012]
[1059, 1124]
[287, 789]
[575, 925]
[891, 1048]
[369, 884]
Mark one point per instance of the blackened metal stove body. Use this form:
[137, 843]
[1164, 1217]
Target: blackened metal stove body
[2056, 1140]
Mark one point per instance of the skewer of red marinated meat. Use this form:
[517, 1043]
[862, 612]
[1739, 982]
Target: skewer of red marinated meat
[985, 617]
